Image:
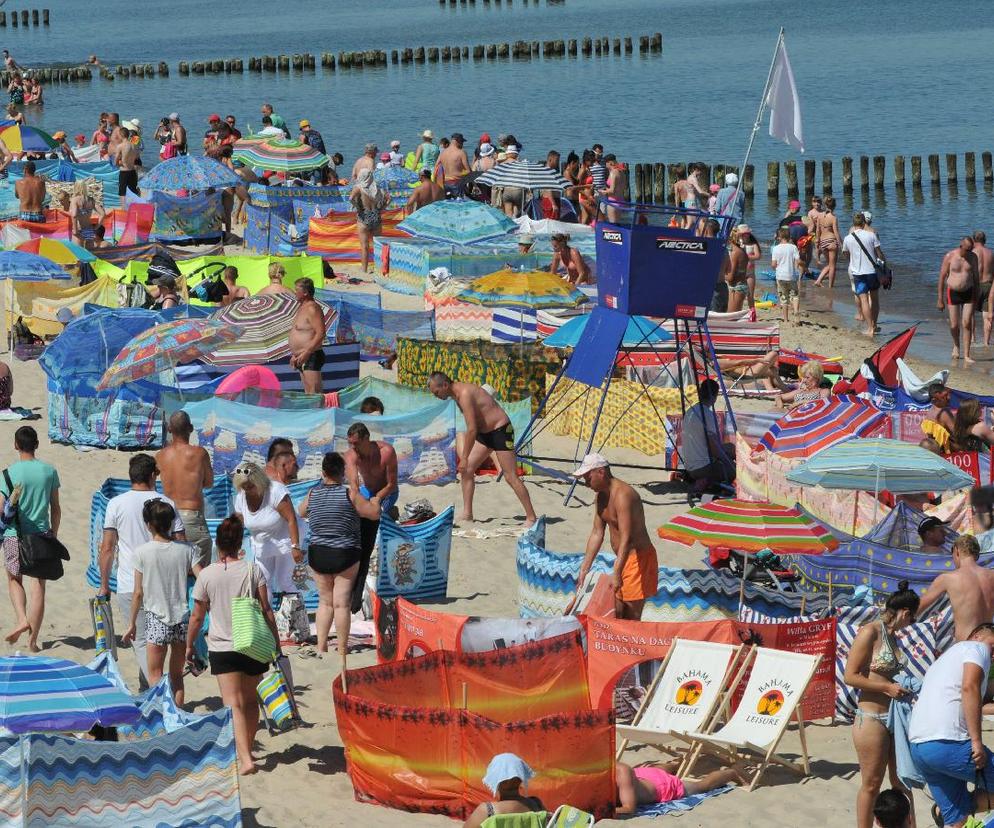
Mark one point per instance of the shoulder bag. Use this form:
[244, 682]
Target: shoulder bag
[884, 274]
[250, 633]
[41, 553]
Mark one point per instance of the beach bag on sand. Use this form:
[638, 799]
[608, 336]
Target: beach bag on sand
[279, 707]
[103, 625]
[250, 633]
[292, 622]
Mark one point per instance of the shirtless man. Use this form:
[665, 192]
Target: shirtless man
[185, 471]
[235, 291]
[736, 276]
[125, 156]
[427, 192]
[277, 273]
[970, 588]
[932, 531]
[958, 286]
[371, 466]
[615, 189]
[30, 191]
[618, 507]
[455, 164]
[115, 132]
[488, 429]
[940, 412]
[366, 161]
[307, 337]
[985, 297]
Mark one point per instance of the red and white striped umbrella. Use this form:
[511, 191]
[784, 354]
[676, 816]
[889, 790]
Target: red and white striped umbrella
[810, 427]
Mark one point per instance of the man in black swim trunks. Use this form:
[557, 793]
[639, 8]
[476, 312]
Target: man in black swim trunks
[959, 282]
[307, 336]
[488, 429]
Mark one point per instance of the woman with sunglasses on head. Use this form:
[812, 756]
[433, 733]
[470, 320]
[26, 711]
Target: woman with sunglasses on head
[873, 664]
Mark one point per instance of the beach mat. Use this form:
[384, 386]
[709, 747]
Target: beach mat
[680, 805]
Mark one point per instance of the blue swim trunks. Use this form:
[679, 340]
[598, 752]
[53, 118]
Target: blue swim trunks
[386, 504]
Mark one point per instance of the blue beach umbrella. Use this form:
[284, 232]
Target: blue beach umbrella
[640, 331]
[458, 221]
[188, 172]
[875, 463]
[395, 177]
[40, 693]
[27, 267]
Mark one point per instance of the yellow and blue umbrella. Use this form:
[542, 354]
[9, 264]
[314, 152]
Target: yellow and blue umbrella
[162, 347]
[536, 289]
[458, 221]
[60, 251]
[39, 693]
[189, 172]
[21, 138]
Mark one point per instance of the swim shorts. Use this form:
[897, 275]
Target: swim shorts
[667, 786]
[640, 577]
[329, 560]
[983, 294]
[960, 297]
[127, 180]
[787, 290]
[865, 283]
[315, 362]
[28, 215]
[739, 287]
[500, 439]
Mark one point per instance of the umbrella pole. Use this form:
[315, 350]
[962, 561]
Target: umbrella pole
[742, 585]
[24, 781]
[876, 510]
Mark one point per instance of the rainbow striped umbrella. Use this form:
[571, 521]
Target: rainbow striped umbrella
[522, 289]
[21, 138]
[750, 526]
[60, 251]
[810, 427]
[279, 155]
[40, 693]
[163, 346]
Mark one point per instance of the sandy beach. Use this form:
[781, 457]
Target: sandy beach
[304, 779]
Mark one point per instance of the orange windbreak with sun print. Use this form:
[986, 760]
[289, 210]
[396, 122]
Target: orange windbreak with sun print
[419, 733]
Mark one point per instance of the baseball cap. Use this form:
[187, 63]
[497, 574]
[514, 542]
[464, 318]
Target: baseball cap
[457, 136]
[384, 156]
[173, 116]
[485, 138]
[590, 462]
[714, 188]
[371, 148]
[731, 180]
[744, 228]
[395, 143]
[794, 205]
[214, 117]
[304, 123]
[486, 149]
[428, 134]
[867, 215]
[929, 523]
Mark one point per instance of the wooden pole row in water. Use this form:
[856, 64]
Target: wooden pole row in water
[47, 74]
[33, 17]
[879, 169]
[212, 67]
[652, 183]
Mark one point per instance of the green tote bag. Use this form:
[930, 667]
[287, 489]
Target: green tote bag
[250, 632]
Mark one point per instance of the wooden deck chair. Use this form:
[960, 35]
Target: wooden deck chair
[772, 696]
[566, 816]
[683, 696]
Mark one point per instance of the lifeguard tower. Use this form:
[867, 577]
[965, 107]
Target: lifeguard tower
[655, 261]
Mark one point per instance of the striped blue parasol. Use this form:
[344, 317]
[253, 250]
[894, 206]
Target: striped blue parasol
[458, 221]
[874, 464]
[39, 693]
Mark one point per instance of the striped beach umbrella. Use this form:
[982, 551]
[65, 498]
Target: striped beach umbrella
[164, 346]
[750, 526]
[190, 172]
[814, 426]
[875, 463]
[60, 251]
[525, 175]
[280, 155]
[21, 138]
[265, 322]
[40, 693]
[537, 289]
[458, 221]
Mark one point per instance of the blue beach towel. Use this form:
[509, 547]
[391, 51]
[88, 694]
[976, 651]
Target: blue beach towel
[679, 805]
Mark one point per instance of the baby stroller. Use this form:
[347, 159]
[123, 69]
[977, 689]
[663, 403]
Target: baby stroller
[763, 569]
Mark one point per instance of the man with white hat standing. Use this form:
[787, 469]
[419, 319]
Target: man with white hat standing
[731, 200]
[635, 577]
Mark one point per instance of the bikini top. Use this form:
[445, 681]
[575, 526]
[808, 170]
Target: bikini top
[887, 662]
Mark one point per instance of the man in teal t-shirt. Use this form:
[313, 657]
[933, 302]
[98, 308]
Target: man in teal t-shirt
[38, 511]
[277, 120]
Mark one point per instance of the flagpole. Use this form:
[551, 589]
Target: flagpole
[759, 115]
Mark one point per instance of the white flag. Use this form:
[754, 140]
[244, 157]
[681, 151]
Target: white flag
[785, 106]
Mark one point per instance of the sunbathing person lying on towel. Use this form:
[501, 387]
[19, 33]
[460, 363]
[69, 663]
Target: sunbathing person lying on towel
[748, 367]
[655, 782]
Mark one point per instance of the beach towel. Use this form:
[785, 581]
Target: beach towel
[16, 413]
[898, 720]
[679, 805]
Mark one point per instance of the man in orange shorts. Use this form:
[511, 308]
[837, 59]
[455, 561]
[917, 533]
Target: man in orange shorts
[636, 571]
